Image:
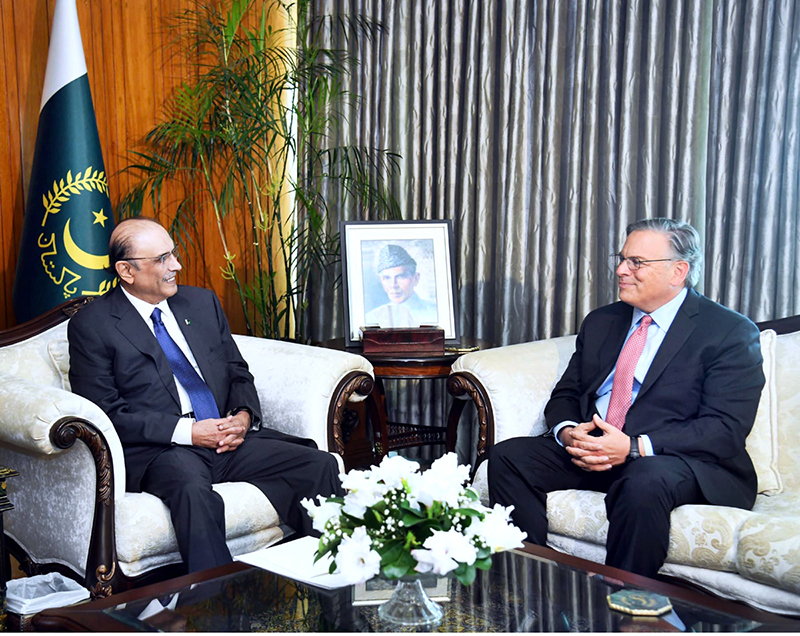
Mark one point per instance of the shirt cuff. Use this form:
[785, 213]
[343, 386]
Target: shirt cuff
[183, 431]
[648, 446]
[558, 427]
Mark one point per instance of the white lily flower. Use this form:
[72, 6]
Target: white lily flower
[393, 470]
[496, 529]
[357, 502]
[444, 551]
[356, 560]
[322, 513]
[444, 482]
[363, 491]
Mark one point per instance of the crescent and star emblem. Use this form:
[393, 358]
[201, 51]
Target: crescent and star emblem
[60, 272]
[81, 257]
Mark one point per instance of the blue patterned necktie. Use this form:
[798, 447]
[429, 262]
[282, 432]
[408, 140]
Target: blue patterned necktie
[203, 402]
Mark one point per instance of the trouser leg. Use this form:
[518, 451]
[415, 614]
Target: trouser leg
[522, 470]
[181, 477]
[639, 504]
[285, 472]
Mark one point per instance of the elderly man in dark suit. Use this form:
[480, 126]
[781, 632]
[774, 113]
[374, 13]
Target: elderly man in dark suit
[653, 408]
[159, 359]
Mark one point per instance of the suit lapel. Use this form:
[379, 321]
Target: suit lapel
[132, 327]
[611, 345]
[680, 330]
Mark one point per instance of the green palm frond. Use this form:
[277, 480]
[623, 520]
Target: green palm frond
[260, 99]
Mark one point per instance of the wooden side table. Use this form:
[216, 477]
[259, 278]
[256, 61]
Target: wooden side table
[388, 435]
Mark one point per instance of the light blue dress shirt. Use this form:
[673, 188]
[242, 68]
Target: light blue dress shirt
[663, 318]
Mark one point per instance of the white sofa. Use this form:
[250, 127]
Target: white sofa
[750, 556]
[71, 509]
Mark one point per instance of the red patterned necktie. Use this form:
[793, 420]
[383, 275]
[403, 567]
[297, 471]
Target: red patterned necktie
[622, 388]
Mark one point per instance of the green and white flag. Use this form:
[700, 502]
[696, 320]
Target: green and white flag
[68, 216]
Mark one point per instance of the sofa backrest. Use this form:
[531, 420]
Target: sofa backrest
[43, 358]
[787, 388]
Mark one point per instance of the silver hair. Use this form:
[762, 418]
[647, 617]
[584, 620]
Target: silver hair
[684, 240]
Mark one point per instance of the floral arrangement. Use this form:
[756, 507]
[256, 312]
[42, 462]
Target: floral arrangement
[397, 521]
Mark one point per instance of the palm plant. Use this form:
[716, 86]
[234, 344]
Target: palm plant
[252, 139]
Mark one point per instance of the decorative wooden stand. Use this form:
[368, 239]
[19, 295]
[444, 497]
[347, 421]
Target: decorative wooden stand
[387, 435]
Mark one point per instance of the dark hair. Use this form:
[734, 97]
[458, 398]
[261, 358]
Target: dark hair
[683, 239]
[121, 243]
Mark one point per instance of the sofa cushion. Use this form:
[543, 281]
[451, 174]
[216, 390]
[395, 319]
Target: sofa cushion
[700, 535]
[762, 443]
[145, 535]
[787, 372]
[769, 548]
[58, 352]
[30, 359]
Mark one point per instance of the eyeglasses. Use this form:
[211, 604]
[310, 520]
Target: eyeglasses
[634, 263]
[160, 260]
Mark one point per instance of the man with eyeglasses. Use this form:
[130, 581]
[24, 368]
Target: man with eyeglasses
[159, 359]
[653, 408]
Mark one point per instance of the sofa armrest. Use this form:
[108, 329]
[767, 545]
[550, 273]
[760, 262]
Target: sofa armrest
[304, 390]
[34, 417]
[510, 386]
[65, 500]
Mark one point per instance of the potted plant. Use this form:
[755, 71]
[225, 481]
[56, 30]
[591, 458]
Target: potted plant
[264, 100]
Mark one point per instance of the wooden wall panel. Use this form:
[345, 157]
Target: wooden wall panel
[130, 75]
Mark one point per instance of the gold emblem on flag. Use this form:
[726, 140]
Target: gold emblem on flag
[50, 242]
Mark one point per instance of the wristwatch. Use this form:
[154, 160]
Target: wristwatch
[634, 454]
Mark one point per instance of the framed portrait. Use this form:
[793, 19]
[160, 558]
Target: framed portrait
[398, 274]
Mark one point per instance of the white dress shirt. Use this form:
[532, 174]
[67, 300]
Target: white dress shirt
[663, 318]
[183, 429]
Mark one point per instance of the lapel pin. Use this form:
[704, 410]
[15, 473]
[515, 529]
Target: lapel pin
[187, 321]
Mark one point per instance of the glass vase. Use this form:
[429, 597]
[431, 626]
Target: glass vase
[410, 605]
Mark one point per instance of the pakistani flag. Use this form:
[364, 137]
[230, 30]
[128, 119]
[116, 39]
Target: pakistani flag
[68, 216]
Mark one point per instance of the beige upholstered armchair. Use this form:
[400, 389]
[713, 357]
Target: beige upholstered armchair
[72, 513]
[750, 556]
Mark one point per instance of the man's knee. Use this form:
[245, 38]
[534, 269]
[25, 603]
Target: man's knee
[498, 457]
[649, 483]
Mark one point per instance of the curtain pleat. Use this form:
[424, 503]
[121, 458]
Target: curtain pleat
[543, 127]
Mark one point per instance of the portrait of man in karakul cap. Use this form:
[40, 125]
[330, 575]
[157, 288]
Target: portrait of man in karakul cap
[399, 277]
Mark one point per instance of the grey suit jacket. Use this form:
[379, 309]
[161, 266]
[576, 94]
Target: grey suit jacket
[698, 400]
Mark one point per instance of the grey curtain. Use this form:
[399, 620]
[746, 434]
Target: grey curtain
[542, 128]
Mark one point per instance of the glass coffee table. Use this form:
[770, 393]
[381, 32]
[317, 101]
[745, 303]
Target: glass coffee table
[533, 589]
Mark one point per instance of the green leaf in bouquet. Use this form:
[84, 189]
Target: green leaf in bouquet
[373, 519]
[484, 563]
[410, 542]
[391, 551]
[465, 573]
[406, 508]
[403, 566]
[324, 548]
[380, 507]
[411, 519]
[469, 512]
[484, 553]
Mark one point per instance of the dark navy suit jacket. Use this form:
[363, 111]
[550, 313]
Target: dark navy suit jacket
[117, 363]
[698, 400]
